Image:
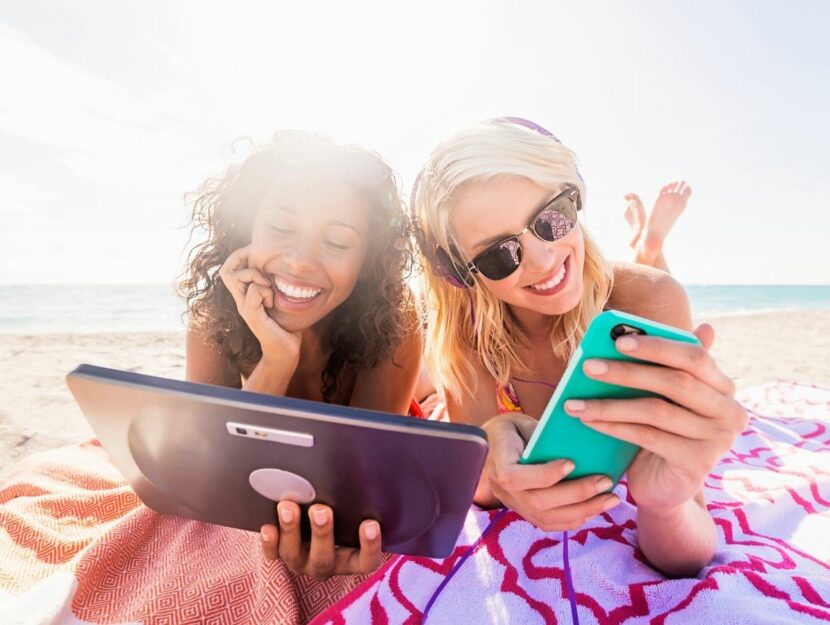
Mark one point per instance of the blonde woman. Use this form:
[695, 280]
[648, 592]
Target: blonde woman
[512, 281]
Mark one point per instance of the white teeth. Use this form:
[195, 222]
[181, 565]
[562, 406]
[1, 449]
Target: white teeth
[550, 283]
[296, 292]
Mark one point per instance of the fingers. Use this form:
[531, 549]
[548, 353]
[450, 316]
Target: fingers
[507, 436]
[505, 439]
[520, 477]
[567, 505]
[236, 275]
[573, 516]
[677, 355]
[676, 450]
[569, 493]
[652, 411]
[676, 385]
[290, 547]
[256, 298]
[270, 541]
[321, 560]
[368, 557]
[237, 259]
[706, 334]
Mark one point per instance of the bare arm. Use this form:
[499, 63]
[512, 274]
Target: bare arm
[390, 385]
[205, 362]
[681, 540]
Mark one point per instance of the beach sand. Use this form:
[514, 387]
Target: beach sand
[38, 412]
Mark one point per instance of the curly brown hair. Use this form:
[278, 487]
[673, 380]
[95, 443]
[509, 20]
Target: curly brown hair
[374, 318]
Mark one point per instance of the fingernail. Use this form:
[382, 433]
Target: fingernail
[604, 484]
[567, 467]
[627, 343]
[595, 367]
[372, 530]
[263, 534]
[320, 516]
[574, 405]
[286, 515]
[611, 502]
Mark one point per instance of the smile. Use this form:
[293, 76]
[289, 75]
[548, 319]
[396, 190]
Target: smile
[296, 293]
[553, 283]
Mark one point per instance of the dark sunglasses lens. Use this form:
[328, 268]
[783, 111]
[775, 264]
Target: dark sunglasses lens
[501, 261]
[557, 220]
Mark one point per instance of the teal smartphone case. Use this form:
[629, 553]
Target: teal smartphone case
[559, 435]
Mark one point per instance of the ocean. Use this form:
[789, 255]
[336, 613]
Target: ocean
[108, 308]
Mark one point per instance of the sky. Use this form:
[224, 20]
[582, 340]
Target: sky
[111, 112]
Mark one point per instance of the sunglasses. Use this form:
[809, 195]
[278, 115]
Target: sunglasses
[552, 222]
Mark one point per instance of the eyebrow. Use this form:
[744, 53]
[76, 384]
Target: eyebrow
[331, 222]
[490, 240]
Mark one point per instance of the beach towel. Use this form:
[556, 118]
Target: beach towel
[77, 546]
[770, 498]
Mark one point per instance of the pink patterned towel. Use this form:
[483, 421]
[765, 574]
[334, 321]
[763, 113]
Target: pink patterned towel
[76, 546]
[770, 498]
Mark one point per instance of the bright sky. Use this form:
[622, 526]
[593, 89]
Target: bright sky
[111, 111]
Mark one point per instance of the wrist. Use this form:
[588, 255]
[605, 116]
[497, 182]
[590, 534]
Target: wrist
[667, 514]
[280, 361]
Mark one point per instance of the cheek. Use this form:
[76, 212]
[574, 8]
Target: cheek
[261, 250]
[344, 270]
[505, 290]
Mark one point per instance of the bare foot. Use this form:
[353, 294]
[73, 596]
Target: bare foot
[635, 215]
[670, 203]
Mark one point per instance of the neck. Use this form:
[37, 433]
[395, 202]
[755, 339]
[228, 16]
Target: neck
[315, 341]
[536, 326]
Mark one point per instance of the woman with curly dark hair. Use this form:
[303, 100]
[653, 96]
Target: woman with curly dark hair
[299, 290]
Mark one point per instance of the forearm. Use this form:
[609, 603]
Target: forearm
[679, 542]
[270, 377]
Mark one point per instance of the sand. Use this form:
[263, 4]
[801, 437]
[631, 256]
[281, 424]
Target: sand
[38, 412]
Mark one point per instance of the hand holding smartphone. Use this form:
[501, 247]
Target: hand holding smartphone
[559, 435]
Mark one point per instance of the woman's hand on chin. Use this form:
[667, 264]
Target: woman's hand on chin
[253, 293]
[683, 433]
[536, 491]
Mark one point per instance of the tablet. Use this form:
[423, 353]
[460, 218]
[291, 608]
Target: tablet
[225, 456]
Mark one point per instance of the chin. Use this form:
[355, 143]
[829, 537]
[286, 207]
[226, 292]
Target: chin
[566, 302]
[291, 322]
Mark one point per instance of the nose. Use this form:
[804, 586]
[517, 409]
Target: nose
[300, 255]
[536, 254]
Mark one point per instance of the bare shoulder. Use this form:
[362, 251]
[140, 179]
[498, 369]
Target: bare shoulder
[477, 403]
[650, 293]
[205, 361]
[390, 384]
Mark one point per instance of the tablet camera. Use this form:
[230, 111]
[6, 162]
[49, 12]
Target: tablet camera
[242, 431]
[623, 329]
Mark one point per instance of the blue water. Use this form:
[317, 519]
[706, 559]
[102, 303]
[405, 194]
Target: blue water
[107, 308]
[734, 299]
[89, 308]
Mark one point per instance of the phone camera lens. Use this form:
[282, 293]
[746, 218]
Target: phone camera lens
[622, 329]
[242, 431]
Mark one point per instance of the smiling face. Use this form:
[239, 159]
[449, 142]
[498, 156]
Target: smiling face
[549, 278]
[310, 239]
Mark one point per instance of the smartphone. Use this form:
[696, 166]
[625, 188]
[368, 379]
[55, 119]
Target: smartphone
[560, 435]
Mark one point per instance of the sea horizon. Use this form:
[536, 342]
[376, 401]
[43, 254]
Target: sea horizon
[93, 308]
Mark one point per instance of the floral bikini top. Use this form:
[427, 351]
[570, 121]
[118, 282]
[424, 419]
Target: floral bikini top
[507, 399]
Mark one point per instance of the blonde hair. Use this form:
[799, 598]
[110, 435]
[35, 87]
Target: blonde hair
[483, 152]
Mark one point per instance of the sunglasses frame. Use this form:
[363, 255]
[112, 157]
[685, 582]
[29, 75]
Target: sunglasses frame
[571, 192]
